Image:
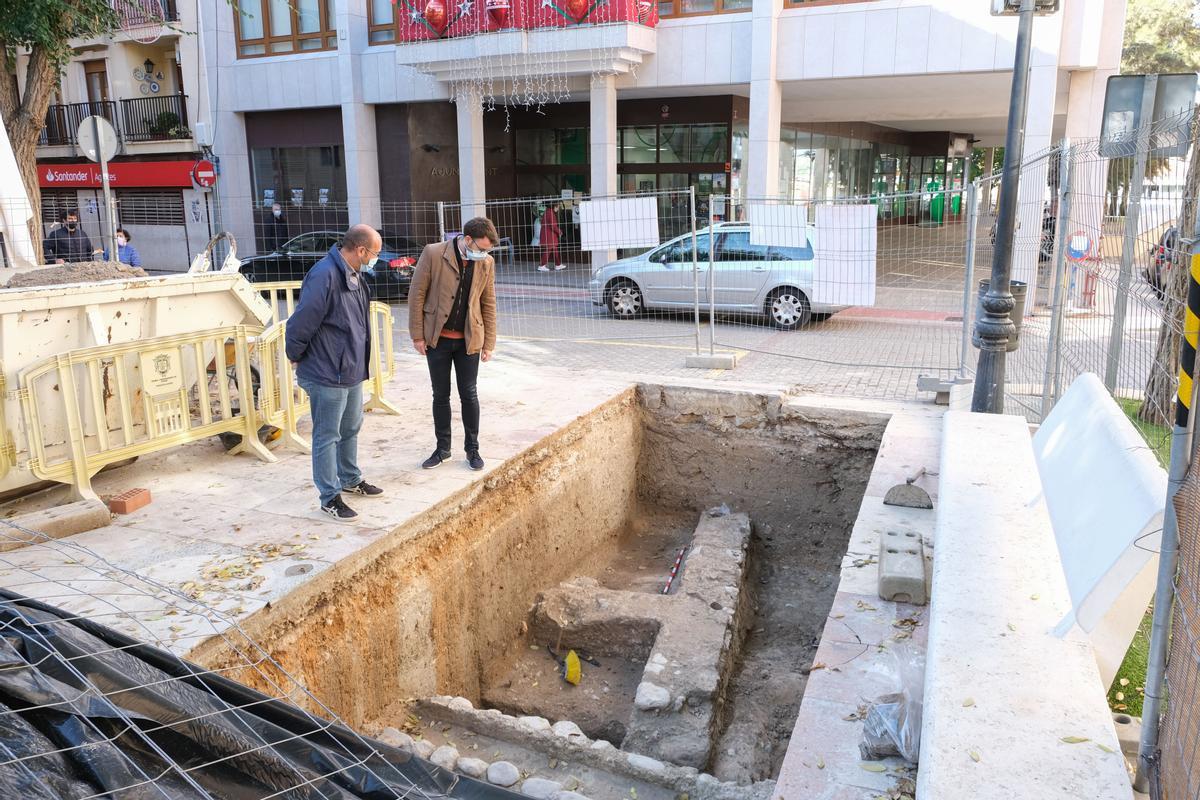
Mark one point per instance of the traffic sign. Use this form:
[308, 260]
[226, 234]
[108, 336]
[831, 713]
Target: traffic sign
[97, 139]
[204, 174]
[1079, 246]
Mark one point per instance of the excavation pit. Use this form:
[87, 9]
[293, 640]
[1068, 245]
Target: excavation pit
[569, 544]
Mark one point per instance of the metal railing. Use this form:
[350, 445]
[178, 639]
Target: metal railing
[155, 118]
[62, 120]
[147, 12]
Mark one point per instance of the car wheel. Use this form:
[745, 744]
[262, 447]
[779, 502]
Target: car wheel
[788, 308]
[625, 299]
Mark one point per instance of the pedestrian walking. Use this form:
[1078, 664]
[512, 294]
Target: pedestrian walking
[126, 252]
[329, 339]
[551, 233]
[69, 243]
[452, 320]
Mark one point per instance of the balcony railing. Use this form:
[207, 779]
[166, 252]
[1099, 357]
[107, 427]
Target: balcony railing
[146, 12]
[62, 120]
[143, 119]
[156, 118]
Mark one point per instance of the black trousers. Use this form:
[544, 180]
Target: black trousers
[453, 353]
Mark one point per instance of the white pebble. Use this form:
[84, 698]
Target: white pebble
[396, 738]
[535, 724]
[423, 748]
[445, 757]
[651, 697]
[568, 730]
[502, 773]
[645, 762]
[472, 767]
[460, 704]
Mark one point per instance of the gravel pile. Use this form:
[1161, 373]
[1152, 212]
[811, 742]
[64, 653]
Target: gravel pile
[80, 272]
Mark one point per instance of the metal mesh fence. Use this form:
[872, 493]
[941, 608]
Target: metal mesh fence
[95, 700]
[1179, 736]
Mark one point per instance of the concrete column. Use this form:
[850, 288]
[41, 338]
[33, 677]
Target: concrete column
[471, 170]
[766, 101]
[603, 147]
[358, 118]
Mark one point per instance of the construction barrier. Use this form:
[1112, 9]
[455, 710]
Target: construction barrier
[88, 408]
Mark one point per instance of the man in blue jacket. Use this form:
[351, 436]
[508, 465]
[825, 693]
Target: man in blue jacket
[329, 339]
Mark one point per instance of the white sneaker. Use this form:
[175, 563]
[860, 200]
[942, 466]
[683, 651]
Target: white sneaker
[560, 267]
[543, 268]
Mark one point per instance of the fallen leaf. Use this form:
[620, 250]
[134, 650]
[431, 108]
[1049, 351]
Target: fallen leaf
[820, 763]
[1124, 681]
[817, 666]
[1105, 748]
[1034, 596]
[970, 701]
[974, 754]
[1075, 739]
[1120, 696]
[1012, 627]
[871, 766]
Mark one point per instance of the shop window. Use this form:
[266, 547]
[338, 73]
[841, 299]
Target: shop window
[685, 8]
[675, 144]
[149, 207]
[277, 27]
[299, 177]
[552, 146]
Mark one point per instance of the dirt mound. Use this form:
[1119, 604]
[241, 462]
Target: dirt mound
[80, 272]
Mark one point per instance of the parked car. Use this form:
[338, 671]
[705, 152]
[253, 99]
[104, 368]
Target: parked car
[1161, 257]
[775, 282]
[389, 279]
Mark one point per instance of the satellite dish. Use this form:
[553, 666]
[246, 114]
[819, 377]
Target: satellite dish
[93, 146]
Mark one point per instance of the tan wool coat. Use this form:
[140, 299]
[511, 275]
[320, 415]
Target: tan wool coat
[434, 284]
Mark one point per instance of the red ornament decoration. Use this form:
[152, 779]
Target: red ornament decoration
[578, 9]
[435, 15]
[643, 10]
[498, 11]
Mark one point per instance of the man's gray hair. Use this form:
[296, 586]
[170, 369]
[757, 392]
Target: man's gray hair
[359, 236]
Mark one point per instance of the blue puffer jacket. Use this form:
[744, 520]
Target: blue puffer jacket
[328, 334]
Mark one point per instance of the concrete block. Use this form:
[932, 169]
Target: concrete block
[1129, 733]
[902, 567]
[57, 522]
[129, 501]
[718, 361]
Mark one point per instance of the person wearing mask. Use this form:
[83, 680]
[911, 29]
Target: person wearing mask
[452, 320]
[275, 230]
[328, 338]
[69, 243]
[126, 252]
[551, 233]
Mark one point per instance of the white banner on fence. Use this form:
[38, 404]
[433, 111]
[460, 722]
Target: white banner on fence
[624, 222]
[846, 251]
[778, 225]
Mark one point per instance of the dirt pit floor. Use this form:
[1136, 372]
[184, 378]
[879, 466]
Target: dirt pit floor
[594, 516]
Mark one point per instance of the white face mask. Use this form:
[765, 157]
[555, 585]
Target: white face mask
[277, 213]
[121, 240]
[474, 254]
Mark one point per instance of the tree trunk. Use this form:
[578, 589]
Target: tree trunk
[1159, 403]
[24, 121]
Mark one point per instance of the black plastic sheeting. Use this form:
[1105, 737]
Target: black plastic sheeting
[86, 711]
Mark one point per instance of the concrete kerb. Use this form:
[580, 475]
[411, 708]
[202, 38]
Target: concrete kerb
[598, 754]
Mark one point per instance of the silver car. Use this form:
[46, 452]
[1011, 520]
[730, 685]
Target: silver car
[775, 282]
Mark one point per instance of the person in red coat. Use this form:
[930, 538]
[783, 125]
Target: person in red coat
[551, 233]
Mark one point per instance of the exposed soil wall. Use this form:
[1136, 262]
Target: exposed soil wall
[426, 609]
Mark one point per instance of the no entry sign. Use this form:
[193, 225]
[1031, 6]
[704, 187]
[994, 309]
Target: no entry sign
[204, 174]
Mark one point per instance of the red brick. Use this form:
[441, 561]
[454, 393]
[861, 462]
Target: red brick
[129, 501]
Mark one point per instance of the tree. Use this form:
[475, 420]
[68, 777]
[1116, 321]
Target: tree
[1161, 36]
[45, 29]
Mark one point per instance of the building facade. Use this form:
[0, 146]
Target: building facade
[362, 104]
[155, 97]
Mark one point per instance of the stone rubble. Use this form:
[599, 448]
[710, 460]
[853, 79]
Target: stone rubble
[540, 788]
[502, 773]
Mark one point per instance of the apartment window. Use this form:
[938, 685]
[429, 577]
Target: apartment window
[383, 27]
[276, 27]
[56, 203]
[687, 8]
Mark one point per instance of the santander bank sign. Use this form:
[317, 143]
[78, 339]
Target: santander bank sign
[130, 174]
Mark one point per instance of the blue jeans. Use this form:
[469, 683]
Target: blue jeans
[337, 415]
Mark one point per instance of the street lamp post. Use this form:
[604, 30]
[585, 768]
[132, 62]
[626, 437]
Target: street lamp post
[995, 326]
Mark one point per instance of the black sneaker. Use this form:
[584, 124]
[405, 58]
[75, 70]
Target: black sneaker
[474, 461]
[338, 510]
[436, 460]
[364, 489]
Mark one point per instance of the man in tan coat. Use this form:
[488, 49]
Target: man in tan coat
[452, 320]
